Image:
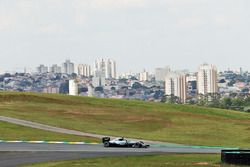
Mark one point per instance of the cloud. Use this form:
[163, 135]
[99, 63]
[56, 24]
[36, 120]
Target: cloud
[6, 23]
[107, 4]
[190, 22]
[80, 19]
[52, 28]
[183, 3]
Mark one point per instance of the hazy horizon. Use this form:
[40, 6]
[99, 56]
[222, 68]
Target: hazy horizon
[138, 34]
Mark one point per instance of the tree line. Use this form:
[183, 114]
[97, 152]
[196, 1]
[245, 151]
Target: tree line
[233, 101]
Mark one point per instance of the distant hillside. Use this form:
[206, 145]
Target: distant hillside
[154, 121]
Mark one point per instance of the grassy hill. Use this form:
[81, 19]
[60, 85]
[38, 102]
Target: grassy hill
[183, 124]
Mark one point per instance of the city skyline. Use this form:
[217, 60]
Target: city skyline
[138, 34]
[50, 68]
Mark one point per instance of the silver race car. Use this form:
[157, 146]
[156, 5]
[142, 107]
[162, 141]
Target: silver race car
[122, 142]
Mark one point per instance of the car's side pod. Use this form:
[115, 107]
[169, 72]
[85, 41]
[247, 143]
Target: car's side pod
[105, 139]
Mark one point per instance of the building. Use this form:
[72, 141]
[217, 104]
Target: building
[161, 73]
[90, 90]
[73, 87]
[98, 81]
[42, 69]
[176, 85]
[143, 76]
[55, 69]
[68, 67]
[51, 89]
[84, 70]
[192, 85]
[207, 79]
[113, 69]
[105, 68]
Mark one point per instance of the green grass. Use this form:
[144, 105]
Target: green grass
[170, 160]
[182, 124]
[10, 131]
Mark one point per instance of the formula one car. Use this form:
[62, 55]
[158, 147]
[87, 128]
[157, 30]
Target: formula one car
[121, 142]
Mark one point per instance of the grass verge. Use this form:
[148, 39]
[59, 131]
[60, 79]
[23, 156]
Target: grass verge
[169, 160]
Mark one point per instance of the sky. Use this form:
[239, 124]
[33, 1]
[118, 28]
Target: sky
[138, 34]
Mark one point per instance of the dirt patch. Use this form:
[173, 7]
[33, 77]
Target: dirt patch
[202, 163]
[140, 118]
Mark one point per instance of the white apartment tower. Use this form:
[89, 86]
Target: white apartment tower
[113, 69]
[68, 67]
[73, 88]
[161, 73]
[207, 79]
[105, 68]
[143, 76]
[175, 84]
[84, 70]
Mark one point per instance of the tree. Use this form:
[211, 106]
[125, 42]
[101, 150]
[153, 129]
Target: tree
[99, 89]
[226, 102]
[136, 85]
[64, 88]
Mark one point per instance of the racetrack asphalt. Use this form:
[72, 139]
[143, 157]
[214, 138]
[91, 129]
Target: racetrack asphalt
[15, 154]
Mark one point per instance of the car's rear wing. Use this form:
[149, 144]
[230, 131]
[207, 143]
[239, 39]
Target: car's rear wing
[105, 139]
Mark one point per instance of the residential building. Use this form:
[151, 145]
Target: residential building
[106, 68]
[68, 67]
[98, 81]
[42, 69]
[192, 84]
[51, 89]
[113, 69]
[161, 73]
[55, 69]
[143, 76]
[207, 79]
[73, 87]
[84, 70]
[176, 85]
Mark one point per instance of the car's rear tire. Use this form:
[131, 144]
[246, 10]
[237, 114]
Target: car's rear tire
[137, 145]
[106, 144]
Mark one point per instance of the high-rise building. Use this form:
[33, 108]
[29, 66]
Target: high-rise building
[161, 73]
[42, 69]
[84, 70]
[176, 85]
[207, 79]
[98, 81]
[99, 68]
[55, 69]
[68, 67]
[143, 76]
[113, 69]
[192, 84]
[105, 68]
[73, 87]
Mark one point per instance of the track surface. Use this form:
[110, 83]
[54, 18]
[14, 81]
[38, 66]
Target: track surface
[14, 154]
[13, 159]
[99, 148]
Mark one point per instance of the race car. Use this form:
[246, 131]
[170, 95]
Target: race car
[121, 142]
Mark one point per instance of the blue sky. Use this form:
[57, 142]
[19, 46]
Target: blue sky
[137, 33]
